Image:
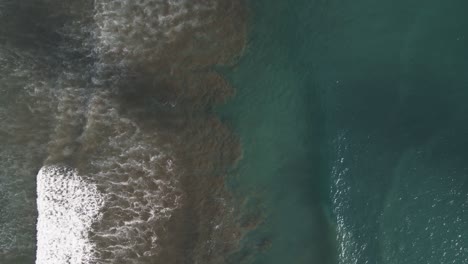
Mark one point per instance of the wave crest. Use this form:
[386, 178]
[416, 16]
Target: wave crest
[68, 205]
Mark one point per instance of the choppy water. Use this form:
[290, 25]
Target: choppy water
[106, 113]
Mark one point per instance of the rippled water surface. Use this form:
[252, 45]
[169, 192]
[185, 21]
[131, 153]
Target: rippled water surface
[353, 121]
[221, 131]
[106, 119]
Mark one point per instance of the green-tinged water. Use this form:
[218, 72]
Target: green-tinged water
[346, 141]
[278, 114]
[353, 120]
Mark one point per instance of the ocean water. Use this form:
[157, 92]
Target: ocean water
[111, 151]
[278, 113]
[219, 131]
[353, 122]
[397, 114]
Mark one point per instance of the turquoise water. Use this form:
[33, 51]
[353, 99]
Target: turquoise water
[277, 112]
[353, 120]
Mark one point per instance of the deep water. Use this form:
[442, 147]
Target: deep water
[353, 121]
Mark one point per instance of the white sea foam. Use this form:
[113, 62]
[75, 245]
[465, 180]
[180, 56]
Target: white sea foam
[140, 185]
[127, 160]
[138, 31]
[67, 207]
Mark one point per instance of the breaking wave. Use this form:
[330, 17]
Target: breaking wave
[114, 100]
[68, 206]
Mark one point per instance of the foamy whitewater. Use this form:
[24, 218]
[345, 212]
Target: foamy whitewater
[112, 99]
[67, 205]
